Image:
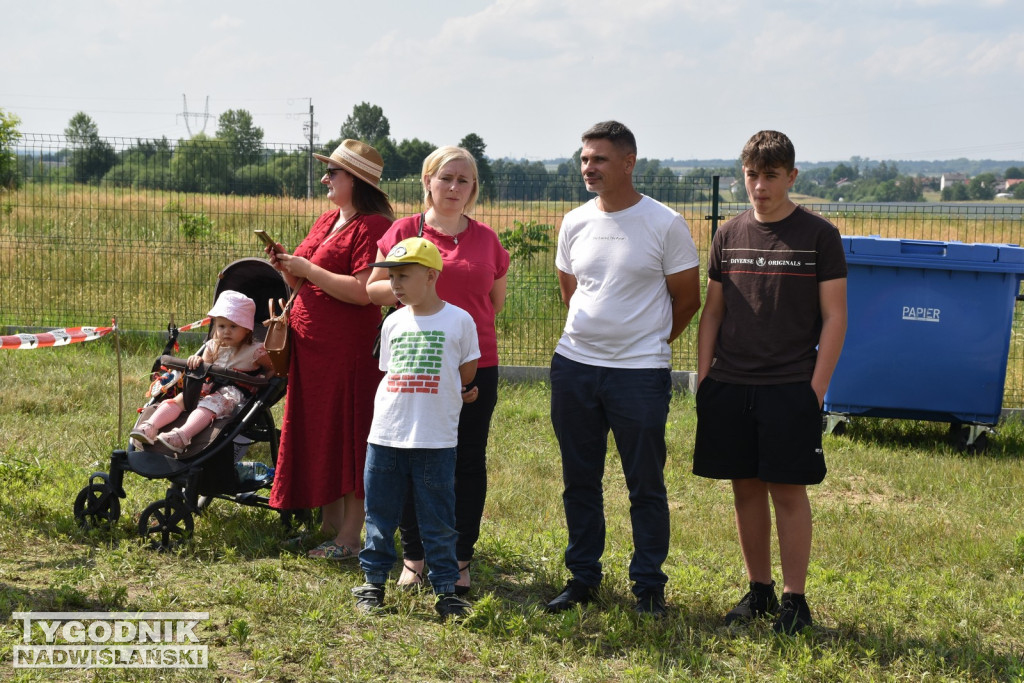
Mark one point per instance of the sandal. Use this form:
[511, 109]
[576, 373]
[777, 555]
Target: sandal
[175, 441]
[144, 433]
[329, 550]
[461, 589]
[410, 578]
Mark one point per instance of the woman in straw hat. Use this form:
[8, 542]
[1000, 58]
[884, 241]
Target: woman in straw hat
[475, 266]
[332, 374]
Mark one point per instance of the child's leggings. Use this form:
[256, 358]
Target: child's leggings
[168, 411]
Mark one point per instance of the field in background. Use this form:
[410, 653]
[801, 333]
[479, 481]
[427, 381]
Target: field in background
[78, 255]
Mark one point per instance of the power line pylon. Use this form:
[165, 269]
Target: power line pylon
[205, 116]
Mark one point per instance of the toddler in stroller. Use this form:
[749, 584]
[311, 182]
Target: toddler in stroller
[231, 346]
[207, 469]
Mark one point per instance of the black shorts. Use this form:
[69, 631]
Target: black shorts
[770, 432]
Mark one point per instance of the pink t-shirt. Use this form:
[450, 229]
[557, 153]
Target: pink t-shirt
[470, 268]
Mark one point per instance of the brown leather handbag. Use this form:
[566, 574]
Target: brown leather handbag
[276, 341]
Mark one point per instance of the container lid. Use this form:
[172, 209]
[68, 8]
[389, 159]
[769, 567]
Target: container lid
[874, 250]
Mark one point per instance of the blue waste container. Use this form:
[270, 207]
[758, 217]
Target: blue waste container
[929, 333]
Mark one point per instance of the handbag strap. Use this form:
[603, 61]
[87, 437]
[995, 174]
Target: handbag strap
[284, 306]
[298, 286]
[301, 281]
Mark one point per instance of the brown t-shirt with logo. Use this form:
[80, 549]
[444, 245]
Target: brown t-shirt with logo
[769, 274]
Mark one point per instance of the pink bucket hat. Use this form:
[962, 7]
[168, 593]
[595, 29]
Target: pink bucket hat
[236, 307]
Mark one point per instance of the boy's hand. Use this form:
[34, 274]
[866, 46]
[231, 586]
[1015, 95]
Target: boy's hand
[194, 362]
[468, 396]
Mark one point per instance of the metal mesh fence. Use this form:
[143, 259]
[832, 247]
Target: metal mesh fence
[139, 229]
[142, 242]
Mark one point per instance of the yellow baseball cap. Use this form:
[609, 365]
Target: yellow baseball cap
[412, 250]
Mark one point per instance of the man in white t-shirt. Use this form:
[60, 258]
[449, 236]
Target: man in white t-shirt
[627, 270]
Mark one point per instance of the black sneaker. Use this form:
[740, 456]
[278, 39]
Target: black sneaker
[369, 597]
[794, 616]
[760, 601]
[651, 603]
[451, 605]
[575, 593]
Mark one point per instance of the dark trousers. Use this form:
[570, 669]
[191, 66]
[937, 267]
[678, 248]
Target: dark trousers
[470, 473]
[586, 402]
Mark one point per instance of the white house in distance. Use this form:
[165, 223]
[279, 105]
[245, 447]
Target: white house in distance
[951, 179]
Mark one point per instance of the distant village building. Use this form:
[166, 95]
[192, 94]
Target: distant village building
[951, 179]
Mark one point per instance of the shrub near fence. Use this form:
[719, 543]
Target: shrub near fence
[132, 245]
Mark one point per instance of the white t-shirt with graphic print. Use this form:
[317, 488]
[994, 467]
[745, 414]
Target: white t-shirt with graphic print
[419, 400]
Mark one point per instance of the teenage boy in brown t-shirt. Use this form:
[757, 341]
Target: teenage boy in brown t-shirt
[769, 338]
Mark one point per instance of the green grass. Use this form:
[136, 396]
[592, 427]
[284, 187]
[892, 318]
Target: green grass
[916, 571]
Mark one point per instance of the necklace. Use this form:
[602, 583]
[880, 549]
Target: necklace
[444, 231]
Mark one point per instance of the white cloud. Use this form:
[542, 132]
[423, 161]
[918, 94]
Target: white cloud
[693, 78]
[226, 21]
[1004, 57]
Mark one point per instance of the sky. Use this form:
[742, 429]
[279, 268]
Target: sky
[693, 79]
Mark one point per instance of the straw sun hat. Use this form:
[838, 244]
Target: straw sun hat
[359, 159]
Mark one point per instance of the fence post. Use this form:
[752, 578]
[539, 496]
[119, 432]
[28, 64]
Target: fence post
[714, 217]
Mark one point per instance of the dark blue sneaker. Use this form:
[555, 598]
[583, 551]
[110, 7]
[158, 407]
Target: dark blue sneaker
[369, 597]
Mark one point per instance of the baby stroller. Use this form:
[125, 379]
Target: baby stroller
[207, 468]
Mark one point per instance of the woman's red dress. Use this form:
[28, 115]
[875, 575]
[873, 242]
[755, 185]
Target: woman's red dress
[332, 377]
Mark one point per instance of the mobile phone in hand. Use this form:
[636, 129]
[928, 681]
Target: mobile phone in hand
[267, 239]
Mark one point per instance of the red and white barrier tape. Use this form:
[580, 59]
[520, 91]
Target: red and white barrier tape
[70, 335]
[61, 337]
[199, 323]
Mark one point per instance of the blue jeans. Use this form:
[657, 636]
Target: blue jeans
[430, 474]
[470, 473]
[587, 401]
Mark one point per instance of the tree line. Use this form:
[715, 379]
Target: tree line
[235, 160]
[882, 182]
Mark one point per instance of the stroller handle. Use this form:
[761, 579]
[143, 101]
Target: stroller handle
[214, 370]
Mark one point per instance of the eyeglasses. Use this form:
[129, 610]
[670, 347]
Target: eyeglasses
[331, 171]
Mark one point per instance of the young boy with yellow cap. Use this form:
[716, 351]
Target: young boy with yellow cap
[429, 352]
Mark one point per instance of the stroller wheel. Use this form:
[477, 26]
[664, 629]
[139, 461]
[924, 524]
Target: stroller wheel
[166, 523]
[97, 506]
